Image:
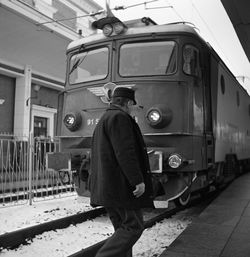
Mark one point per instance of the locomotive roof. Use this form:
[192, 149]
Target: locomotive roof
[169, 28]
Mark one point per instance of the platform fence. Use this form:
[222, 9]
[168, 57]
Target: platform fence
[23, 174]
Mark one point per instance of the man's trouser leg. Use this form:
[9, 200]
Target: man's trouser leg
[128, 225]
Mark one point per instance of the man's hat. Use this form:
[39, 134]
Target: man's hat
[124, 92]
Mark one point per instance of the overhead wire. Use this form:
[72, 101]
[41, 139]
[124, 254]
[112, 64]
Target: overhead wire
[72, 18]
[133, 5]
[36, 10]
[177, 14]
[97, 13]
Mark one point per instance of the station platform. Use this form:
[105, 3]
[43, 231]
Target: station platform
[222, 229]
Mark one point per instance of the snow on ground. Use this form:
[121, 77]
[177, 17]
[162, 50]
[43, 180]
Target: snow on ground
[25, 215]
[63, 242]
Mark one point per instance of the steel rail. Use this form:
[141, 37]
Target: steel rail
[12, 240]
[92, 250]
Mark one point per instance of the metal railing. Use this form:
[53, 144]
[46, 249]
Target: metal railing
[13, 168]
[23, 173]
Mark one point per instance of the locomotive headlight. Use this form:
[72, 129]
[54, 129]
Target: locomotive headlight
[72, 121]
[154, 116]
[108, 25]
[118, 28]
[174, 161]
[159, 116]
[107, 30]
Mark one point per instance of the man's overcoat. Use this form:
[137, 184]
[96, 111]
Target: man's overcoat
[119, 161]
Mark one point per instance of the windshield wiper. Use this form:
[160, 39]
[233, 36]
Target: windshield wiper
[75, 65]
[77, 62]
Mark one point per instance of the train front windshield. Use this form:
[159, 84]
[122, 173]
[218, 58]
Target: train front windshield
[135, 59]
[89, 65]
[147, 58]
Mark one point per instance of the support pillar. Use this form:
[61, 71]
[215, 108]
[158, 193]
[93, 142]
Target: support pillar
[22, 110]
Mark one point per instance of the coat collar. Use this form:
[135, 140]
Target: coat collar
[115, 107]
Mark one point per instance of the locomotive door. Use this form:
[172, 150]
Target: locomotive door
[202, 107]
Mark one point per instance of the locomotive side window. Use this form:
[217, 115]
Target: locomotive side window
[89, 65]
[148, 58]
[238, 98]
[222, 84]
[191, 65]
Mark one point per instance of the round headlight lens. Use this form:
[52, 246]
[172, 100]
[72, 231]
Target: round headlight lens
[154, 116]
[159, 116]
[72, 121]
[174, 161]
[118, 28]
[107, 30]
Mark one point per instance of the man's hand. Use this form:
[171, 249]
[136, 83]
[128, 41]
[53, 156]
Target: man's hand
[139, 190]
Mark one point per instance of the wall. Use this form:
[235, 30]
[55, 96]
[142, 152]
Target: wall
[7, 95]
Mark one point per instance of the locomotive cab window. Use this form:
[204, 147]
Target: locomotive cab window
[191, 64]
[148, 58]
[89, 65]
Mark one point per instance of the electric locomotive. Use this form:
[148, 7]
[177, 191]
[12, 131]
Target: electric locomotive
[194, 115]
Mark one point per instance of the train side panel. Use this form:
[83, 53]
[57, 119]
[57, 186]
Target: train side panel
[231, 115]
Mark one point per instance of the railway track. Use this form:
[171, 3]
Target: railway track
[92, 250]
[13, 239]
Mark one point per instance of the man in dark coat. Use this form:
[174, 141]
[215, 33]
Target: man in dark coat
[120, 179]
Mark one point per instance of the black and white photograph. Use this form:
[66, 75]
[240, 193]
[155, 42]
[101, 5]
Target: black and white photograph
[125, 128]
